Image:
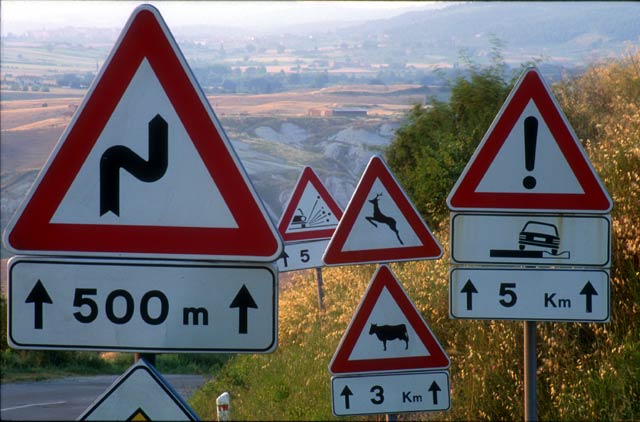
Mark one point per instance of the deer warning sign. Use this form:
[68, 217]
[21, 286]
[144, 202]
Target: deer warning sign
[380, 224]
[144, 168]
[387, 333]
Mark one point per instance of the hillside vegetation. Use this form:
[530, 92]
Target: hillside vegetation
[585, 371]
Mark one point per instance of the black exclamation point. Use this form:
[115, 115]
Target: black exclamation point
[530, 137]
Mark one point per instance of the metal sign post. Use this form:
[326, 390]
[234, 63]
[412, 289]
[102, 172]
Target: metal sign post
[320, 288]
[530, 369]
[149, 357]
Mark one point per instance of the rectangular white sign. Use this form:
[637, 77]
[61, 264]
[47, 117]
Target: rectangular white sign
[150, 306]
[302, 255]
[532, 239]
[529, 294]
[390, 393]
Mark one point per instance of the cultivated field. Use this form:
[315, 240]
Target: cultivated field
[31, 127]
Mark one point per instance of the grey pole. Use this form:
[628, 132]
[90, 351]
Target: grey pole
[530, 368]
[320, 288]
[149, 357]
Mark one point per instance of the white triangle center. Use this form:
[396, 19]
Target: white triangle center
[388, 320]
[185, 195]
[312, 213]
[551, 171]
[381, 225]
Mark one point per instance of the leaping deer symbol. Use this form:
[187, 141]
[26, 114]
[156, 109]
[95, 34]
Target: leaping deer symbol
[381, 218]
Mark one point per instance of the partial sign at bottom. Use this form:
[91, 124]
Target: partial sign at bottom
[390, 393]
[140, 394]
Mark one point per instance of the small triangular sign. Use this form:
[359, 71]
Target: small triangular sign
[387, 333]
[380, 224]
[311, 212]
[144, 168]
[140, 394]
[530, 159]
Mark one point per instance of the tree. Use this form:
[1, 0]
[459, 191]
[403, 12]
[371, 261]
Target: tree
[430, 151]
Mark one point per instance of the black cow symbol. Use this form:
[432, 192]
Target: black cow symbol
[390, 332]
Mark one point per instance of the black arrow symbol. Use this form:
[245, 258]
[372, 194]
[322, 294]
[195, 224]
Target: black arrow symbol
[285, 257]
[469, 289]
[38, 296]
[121, 157]
[243, 301]
[588, 291]
[434, 388]
[346, 392]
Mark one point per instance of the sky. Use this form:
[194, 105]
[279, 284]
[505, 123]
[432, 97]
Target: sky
[18, 16]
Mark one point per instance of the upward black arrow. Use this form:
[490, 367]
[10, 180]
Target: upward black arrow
[346, 392]
[243, 301]
[38, 296]
[434, 388]
[469, 289]
[588, 291]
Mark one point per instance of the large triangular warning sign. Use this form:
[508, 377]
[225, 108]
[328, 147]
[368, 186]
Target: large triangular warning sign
[144, 167]
[311, 212]
[387, 333]
[530, 159]
[380, 224]
[140, 394]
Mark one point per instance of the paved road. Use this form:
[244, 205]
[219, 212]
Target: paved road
[65, 399]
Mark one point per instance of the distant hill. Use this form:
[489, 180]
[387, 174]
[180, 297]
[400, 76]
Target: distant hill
[574, 30]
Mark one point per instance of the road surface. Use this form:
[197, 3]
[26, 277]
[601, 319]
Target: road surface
[64, 399]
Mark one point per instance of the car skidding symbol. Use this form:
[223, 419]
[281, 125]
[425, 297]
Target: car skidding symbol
[537, 234]
[300, 219]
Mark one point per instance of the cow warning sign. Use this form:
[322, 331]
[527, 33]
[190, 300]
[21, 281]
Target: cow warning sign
[387, 333]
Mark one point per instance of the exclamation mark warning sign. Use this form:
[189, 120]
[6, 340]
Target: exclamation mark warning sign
[529, 159]
[530, 140]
